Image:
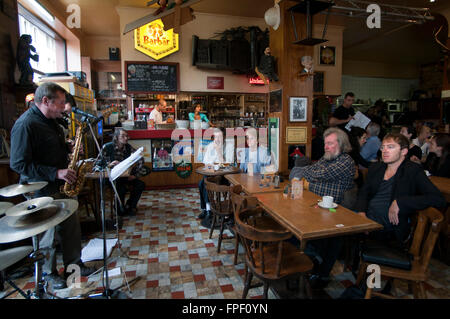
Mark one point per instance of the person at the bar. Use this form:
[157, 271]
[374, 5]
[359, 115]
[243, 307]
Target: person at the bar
[254, 155]
[198, 116]
[156, 114]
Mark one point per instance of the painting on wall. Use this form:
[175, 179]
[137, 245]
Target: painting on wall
[275, 100]
[327, 55]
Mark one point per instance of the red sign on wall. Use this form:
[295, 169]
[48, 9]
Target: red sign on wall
[215, 82]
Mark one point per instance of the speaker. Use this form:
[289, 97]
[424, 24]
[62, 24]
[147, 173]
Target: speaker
[114, 54]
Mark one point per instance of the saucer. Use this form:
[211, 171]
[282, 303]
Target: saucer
[323, 206]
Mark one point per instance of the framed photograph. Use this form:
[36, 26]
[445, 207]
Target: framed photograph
[275, 101]
[298, 107]
[327, 55]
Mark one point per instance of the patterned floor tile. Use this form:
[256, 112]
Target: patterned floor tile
[173, 257]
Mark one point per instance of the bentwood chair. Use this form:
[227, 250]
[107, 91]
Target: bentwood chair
[220, 201]
[267, 254]
[260, 219]
[414, 267]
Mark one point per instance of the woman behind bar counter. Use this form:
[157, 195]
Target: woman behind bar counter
[196, 115]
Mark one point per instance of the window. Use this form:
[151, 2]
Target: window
[50, 47]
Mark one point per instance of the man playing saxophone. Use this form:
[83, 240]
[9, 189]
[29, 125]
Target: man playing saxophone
[39, 152]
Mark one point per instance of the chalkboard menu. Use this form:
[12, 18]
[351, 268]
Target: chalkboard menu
[151, 77]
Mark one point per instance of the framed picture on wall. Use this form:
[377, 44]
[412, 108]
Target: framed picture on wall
[275, 101]
[298, 107]
[327, 55]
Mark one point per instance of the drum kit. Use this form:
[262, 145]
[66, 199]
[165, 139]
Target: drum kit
[28, 220]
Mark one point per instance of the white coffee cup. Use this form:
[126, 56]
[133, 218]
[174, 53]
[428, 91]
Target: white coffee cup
[327, 201]
[216, 167]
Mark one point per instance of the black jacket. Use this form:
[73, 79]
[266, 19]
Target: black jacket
[412, 189]
[38, 150]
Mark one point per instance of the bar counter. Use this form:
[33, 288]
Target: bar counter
[165, 177]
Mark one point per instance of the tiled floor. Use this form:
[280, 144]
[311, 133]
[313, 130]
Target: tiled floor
[173, 257]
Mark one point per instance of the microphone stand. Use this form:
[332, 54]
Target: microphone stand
[107, 293]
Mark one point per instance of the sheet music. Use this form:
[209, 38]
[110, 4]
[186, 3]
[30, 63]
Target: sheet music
[94, 249]
[120, 168]
[359, 120]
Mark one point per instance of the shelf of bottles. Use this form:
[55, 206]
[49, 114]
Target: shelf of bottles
[227, 110]
[145, 103]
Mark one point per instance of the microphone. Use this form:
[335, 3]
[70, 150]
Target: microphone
[78, 111]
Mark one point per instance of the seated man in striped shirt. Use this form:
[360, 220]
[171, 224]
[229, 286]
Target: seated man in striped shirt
[332, 175]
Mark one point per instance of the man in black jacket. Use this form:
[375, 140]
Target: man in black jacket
[395, 189]
[39, 153]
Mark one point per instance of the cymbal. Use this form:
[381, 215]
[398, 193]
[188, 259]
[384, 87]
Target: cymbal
[19, 189]
[8, 233]
[30, 206]
[4, 206]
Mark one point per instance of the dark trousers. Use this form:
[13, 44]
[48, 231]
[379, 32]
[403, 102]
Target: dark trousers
[328, 249]
[203, 194]
[68, 233]
[136, 187]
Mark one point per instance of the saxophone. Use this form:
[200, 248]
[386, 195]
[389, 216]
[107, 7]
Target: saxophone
[72, 190]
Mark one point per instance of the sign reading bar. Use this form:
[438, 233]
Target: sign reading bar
[151, 77]
[215, 82]
[152, 40]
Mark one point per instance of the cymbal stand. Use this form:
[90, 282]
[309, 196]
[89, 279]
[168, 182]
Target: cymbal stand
[40, 286]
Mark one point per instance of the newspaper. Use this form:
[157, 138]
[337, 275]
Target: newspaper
[120, 168]
[359, 120]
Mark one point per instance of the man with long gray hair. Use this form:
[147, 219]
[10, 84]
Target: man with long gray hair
[333, 174]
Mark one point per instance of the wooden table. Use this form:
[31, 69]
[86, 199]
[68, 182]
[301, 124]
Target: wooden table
[443, 184]
[250, 184]
[307, 221]
[221, 172]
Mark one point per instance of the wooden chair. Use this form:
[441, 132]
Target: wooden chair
[260, 219]
[423, 242]
[267, 255]
[220, 201]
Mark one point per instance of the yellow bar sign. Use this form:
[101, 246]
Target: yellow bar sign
[152, 40]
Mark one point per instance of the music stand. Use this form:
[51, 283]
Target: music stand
[107, 293]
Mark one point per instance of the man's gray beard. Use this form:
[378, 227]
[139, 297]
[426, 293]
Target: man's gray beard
[330, 157]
